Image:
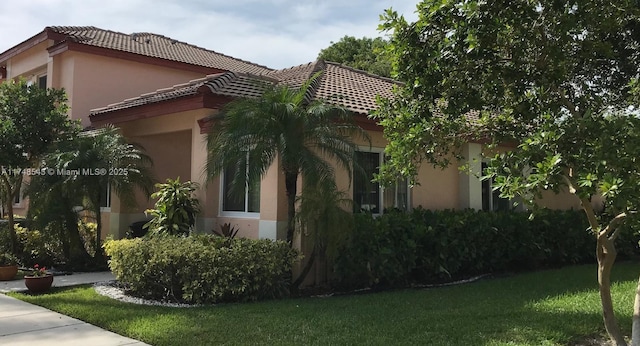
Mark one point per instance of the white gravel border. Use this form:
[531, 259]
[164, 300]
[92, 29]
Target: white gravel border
[110, 289]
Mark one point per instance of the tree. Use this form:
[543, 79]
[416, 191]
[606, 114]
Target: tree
[367, 54]
[95, 163]
[553, 76]
[32, 121]
[251, 133]
[325, 217]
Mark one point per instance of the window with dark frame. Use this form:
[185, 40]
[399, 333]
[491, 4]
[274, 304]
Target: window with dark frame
[491, 200]
[368, 195]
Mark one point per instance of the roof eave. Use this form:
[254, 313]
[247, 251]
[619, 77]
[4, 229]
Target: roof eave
[156, 109]
[23, 46]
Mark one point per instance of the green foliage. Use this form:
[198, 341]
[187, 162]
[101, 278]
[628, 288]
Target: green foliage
[175, 210]
[8, 259]
[33, 247]
[305, 136]
[226, 230]
[556, 307]
[32, 122]
[367, 54]
[324, 221]
[429, 246]
[202, 268]
[86, 165]
[558, 79]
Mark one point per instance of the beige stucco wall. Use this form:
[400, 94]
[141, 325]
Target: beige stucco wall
[33, 60]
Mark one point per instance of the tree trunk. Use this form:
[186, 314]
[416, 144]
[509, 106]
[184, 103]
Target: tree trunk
[98, 248]
[77, 250]
[10, 226]
[12, 191]
[606, 255]
[291, 185]
[635, 330]
[306, 269]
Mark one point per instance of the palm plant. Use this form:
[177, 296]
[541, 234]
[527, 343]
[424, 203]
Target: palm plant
[117, 166]
[325, 218]
[283, 123]
[87, 168]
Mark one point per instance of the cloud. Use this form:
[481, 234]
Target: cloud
[276, 33]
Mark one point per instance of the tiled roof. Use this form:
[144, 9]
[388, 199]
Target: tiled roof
[353, 89]
[226, 84]
[156, 46]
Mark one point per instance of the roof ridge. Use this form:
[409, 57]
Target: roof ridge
[319, 67]
[387, 79]
[62, 29]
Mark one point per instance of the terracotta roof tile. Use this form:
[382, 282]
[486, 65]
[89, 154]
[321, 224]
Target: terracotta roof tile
[227, 84]
[353, 89]
[156, 46]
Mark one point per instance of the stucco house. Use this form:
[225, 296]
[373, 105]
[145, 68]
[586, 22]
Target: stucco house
[162, 93]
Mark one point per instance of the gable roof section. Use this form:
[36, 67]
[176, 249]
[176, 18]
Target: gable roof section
[228, 84]
[141, 44]
[353, 89]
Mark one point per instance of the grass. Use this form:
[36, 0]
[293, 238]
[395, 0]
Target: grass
[553, 307]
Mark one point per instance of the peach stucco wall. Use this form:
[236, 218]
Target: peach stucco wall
[93, 81]
[99, 81]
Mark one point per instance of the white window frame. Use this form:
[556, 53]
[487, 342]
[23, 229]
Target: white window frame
[381, 194]
[239, 214]
[108, 207]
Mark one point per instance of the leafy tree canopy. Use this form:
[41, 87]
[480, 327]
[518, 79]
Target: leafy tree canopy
[367, 54]
[557, 78]
[32, 121]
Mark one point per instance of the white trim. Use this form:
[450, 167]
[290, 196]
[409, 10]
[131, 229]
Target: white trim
[236, 214]
[381, 157]
[274, 230]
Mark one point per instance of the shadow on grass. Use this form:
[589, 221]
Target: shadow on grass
[554, 307]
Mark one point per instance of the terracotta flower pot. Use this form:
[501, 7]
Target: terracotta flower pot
[8, 272]
[38, 284]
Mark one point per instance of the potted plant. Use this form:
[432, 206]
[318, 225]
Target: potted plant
[38, 280]
[8, 266]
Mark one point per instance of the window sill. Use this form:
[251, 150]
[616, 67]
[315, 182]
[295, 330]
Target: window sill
[239, 214]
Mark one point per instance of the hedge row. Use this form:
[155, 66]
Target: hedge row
[202, 268]
[431, 246]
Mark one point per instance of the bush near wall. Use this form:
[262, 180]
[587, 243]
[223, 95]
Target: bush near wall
[34, 246]
[426, 246]
[202, 268]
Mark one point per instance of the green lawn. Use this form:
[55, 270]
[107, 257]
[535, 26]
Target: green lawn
[555, 307]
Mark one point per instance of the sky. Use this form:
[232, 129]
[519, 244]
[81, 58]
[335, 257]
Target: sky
[275, 33]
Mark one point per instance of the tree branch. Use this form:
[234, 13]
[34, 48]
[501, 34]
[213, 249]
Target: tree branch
[612, 231]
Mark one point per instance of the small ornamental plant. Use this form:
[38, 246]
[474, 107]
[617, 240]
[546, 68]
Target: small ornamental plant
[39, 271]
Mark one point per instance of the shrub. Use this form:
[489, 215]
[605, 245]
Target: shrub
[202, 268]
[175, 210]
[430, 246]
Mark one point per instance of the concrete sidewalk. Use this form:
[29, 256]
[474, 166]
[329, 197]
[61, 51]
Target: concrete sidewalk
[60, 281]
[27, 324]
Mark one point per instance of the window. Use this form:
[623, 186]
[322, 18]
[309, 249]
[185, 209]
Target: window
[105, 198]
[243, 201]
[42, 81]
[369, 195]
[491, 200]
[17, 200]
